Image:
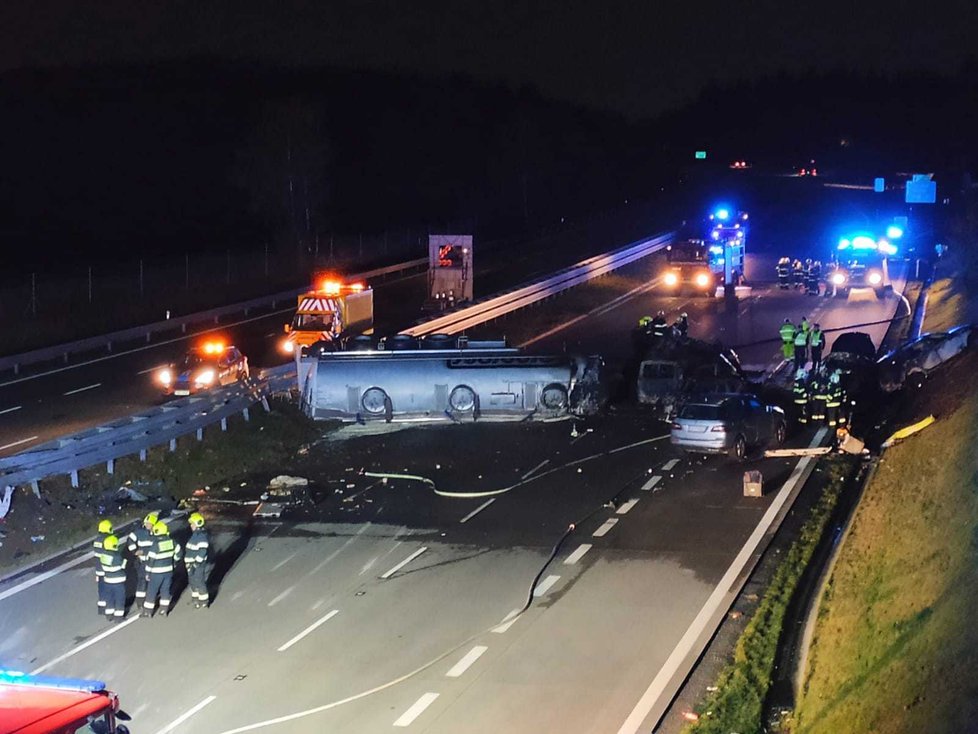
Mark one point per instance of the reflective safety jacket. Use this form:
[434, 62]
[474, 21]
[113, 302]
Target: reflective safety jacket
[835, 396]
[805, 326]
[788, 333]
[97, 549]
[800, 393]
[801, 338]
[197, 547]
[113, 566]
[817, 338]
[140, 541]
[162, 554]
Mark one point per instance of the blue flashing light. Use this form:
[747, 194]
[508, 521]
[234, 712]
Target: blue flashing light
[887, 248]
[863, 242]
[716, 249]
[723, 214]
[15, 677]
[715, 235]
[894, 232]
[740, 234]
[844, 243]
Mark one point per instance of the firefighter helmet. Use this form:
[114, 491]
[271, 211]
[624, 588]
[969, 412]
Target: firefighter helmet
[151, 519]
[111, 543]
[105, 526]
[196, 520]
[160, 528]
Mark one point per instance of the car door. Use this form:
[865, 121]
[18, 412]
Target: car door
[756, 418]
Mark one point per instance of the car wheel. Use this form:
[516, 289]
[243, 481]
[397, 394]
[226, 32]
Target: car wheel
[738, 451]
[780, 432]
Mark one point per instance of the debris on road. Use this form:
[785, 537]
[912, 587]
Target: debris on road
[8, 495]
[284, 481]
[908, 431]
[781, 453]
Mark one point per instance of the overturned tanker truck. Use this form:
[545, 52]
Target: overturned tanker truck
[445, 378]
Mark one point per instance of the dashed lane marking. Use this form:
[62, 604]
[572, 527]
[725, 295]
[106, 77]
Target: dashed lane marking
[577, 554]
[669, 465]
[281, 563]
[281, 596]
[44, 576]
[603, 530]
[477, 510]
[508, 621]
[408, 717]
[83, 389]
[466, 662]
[651, 483]
[626, 506]
[10, 410]
[544, 586]
[310, 629]
[535, 469]
[18, 443]
[402, 564]
[85, 645]
[172, 726]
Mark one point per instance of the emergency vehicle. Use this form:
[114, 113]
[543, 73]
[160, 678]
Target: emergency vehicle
[35, 704]
[690, 268]
[860, 262]
[332, 312]
[728, 245]
[209, 364]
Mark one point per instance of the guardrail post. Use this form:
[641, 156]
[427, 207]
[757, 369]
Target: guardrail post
[224, 424]
[246, 414]
[16, 369]
[148, 334]
[74, 478]
[66, 357]
[173, 445]
[142, 454]
[183, 328]
[108, 346]
[36, 488]
[110, 466]
[200, 434]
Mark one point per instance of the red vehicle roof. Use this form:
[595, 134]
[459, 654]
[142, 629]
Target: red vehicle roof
[36, 710]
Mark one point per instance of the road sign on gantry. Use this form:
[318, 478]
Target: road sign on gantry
[449, 269]
[922, 189]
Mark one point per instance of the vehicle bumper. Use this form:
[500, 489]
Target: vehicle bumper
[702, 443]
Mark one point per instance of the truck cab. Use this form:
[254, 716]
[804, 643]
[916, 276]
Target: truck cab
[332, 312]
[689, 268]
[34, 704]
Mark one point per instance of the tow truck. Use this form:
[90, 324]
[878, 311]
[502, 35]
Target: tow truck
[333, 311]
[35, 704]
[860, 262]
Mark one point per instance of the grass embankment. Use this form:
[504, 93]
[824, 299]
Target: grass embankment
[65, 515]
[896, 646]
[737, 703]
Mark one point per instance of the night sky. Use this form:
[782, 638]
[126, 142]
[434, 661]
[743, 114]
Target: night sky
[638, 58]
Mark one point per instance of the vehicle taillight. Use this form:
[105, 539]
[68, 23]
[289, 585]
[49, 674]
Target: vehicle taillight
[677, 426]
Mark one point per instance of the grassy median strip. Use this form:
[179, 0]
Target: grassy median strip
[737, 703]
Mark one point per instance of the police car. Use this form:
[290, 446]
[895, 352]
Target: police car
[207, 365]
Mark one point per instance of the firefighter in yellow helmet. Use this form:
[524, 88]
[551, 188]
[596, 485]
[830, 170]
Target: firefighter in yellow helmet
[114, 573]
[104, 531]
[140, 540]
[198, 547]
[160, 560]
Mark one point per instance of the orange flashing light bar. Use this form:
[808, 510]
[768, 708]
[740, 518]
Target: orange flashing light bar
[213, 347]
[331, 287]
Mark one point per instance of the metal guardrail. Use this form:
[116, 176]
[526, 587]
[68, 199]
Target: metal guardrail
[138, 433]
[107, 341]
[526, 295]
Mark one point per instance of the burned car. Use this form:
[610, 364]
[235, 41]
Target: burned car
[911, 363]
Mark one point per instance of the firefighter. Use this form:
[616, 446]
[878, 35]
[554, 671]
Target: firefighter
[681, 327]
[797, 273]
[784, 273]
[643, 323]
[164, 552]
[659, 325]
[818, 397]
[834, 402]
[787, 333]
[799, 392]
[812, 275]
[114, 572]
[140, 540]
[104, 531]
[801, 345]
[816, 341]
[196, 560]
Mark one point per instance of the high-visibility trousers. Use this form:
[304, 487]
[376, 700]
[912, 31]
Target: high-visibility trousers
[802, 410]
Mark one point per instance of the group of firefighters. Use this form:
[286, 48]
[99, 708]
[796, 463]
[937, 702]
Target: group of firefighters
[804, 276]
[657, 326]
[155, 556]
[818, 394]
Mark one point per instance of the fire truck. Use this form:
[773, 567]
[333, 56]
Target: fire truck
[36, 704]
[690, 268]
[332, 312]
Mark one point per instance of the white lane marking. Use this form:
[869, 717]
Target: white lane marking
[18, 443]
[44, 576]
[184, 716]
[465, 663]
[603, 530]
[477, 510]
[281, 596]
[84, 645]
[577, 554]
[10, 410]
[544, 586]
[685, 645]
[408, 717]
[626, 506]
[151, 369]
[535, 469]
[318, 604]
[281, 563]
[83, 389]
[403, 563]
[347, 544]
[311, 628]
[651, 483]
[668, 466]
[508, 621]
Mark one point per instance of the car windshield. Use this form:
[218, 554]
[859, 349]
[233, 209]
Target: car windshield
[312, 321]
[701, 412]
[191, 360]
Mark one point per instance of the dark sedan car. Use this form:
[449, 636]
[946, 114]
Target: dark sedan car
[212, 364]
[728, 424]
